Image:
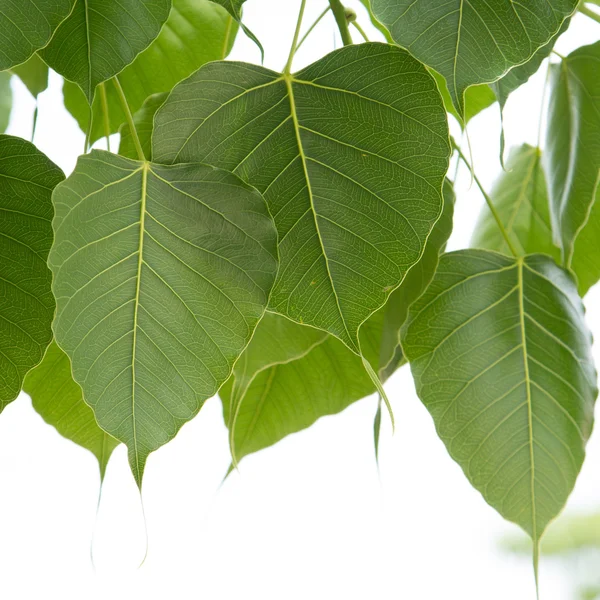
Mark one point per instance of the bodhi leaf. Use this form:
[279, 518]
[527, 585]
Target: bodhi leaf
[376, 23]
[6, 100]
[101, 37]
[59, 401]
[234, 8]
[472, 42]
[27, 178]
[501, 357]
[161, 275]
[28, 25]
[196, 32]
[34, 74]
[144, 124]
[521, 199]
[572, 161]
[350, 155]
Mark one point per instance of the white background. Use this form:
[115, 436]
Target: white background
[308, 518]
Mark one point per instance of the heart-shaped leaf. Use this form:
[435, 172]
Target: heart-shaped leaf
[101, 37]
[161, 275]
[502, 360]
[34, 74]
[59, 401]
[572, 161]
[28, 25]
[196, 32]
[350, 155]
[471, 42]
[27, 179]
[521, 199]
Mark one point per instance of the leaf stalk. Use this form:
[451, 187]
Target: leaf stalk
[288, 65]
[130, 122]
[311, 28]
[588, 12]
[339, 12]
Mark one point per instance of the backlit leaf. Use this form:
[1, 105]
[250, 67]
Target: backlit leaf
[234, 8]
[471, 42]
[161, 275]
[59, 401]
[6, 100]
[28, 25]
[34, 74]
[501, 358]
[101, 37]
[27, 179]
[196, 32]
[350, 154]
[572, 161]
[521, 199]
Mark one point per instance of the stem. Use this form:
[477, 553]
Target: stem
[288, 65]
[558, 54]
[360, 30]
[584, 10]
[490, 204]
[310, 29]
[339, 12]
[35, 119]
[134, 133]
[105, 115]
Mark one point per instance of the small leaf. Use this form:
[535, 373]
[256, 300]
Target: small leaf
[234, 8]
[161, 275]
[144, 124]
[6, 100]
[34, 74]
[28, 25]
[101, 37]
[472, 42]
[59, 401]
[572, 162]
[350, 154]
[27, 179]
[521, 199]
[196, 32]
[502, 360]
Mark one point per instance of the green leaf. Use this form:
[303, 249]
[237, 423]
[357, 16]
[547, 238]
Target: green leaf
[28, 25]
[502, 360]
[572, 162]
[350, 154]
[376, 23]
[521, 199]
[34, 74]
[144, 125]
[161, 275]
[285, 398]
[234, 8]
[472, 42]
[6, 100]
[477, 98]
[196, 32]
[27, 179]
[101, 37]
[59, 401]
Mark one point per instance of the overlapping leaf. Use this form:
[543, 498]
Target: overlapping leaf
[350, 154]
[502, 360]
[572, 161]
[6, 100]
[471, 42]
[234, 8]
[59, 401]
[196, 32]
[101, 37]
[144, 125]
[28, 25]
[34, 74]
[27, 179]
[520, 196]
[161, 275]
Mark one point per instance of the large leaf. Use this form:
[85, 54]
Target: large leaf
[290, 396]
[350, 154]
[572, 161]
[34, 74]
[6, 100]
[521, 199]
[502, 360]
[144, 125]
[196, 32]
[27, 179]
[472, 42]
[161, 275]
[28, 25]
[59, 401]
[101, 37]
